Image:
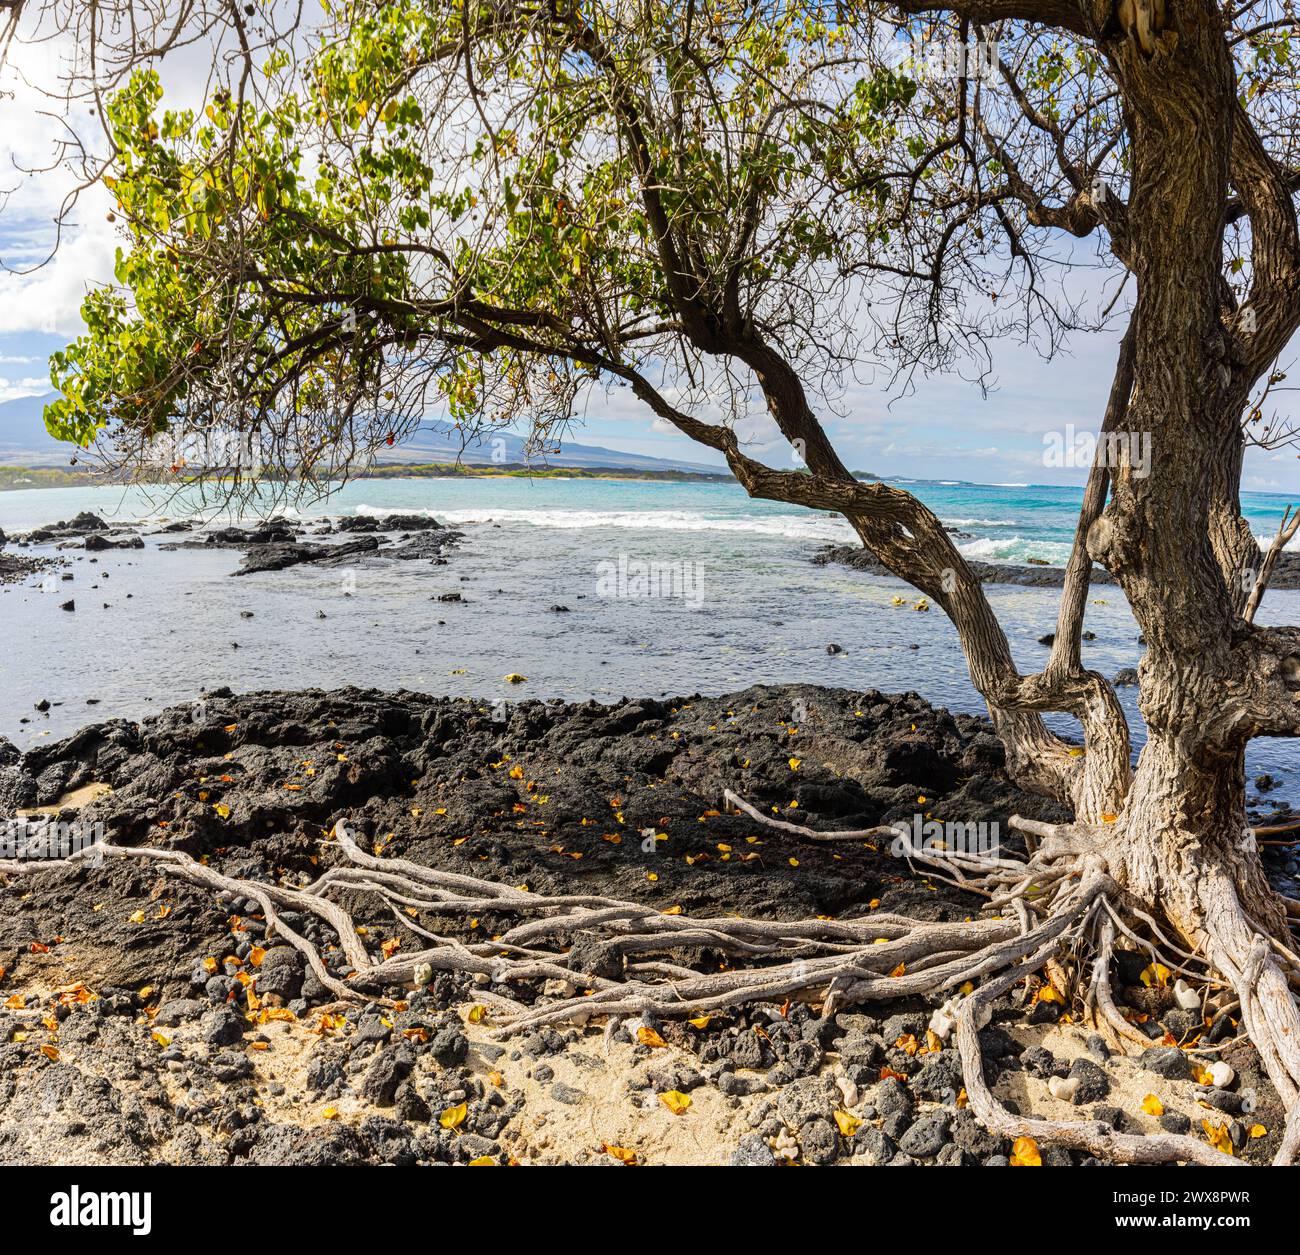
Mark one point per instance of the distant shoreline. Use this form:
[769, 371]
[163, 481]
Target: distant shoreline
[21, 478]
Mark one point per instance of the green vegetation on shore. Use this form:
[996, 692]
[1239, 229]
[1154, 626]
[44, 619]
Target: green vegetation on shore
[524, 471]
[13, 478]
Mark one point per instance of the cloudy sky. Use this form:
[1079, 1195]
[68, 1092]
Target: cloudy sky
[945, 429]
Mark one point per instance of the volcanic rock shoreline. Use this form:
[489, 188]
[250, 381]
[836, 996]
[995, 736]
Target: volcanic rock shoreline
[145, 1022]
[1286, 572]
[273, 545]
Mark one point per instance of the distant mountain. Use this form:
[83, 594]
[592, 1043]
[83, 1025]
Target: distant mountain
[23, 438]
[25, 442]
[436, 442]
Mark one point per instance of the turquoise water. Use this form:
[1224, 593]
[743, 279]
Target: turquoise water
[749, 606]
[1007, 523]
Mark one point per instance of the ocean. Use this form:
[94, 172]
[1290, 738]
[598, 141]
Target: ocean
[670, 589]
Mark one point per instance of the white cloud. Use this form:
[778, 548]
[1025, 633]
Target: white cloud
[32, 386]
[49, 299]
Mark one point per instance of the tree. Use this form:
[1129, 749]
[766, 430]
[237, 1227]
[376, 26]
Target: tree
[502, 205]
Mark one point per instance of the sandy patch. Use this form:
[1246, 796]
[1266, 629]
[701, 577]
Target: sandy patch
[73, 799]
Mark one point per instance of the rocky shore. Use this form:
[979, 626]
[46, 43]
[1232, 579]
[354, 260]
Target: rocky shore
[1286, 573]
[272, 545]
[16, 567]
[143, 1021]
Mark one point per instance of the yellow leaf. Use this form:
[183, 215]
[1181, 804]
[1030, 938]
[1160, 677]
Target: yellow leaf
[794, 862]
[1048, 993]
[648, 1037]
[700, 1021]
[1153, 1106]
[672, 910]
[222, 809]
[1258, 1130]
[209, 965]
[1108, 818]
[1024, 1153]
[136, 918]
[256, 955]
[1155, 974]
[675, 1101]
[515, 678]
[899, 970]
[483, 1161]
[1217, 1136]
[621, 1153]
[331, 1113]
[794, 763]
[476, 1014]
[849, 1124]
[497, 1079]
[453, 1117]
[162, 1040]
[51, 1053]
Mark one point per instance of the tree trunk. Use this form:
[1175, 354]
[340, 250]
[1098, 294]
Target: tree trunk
[1182, 838]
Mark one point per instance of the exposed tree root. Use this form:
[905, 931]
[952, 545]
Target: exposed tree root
[1059, 909]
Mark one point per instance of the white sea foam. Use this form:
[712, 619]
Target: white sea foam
[802, 527]
[1266, 540]
[1016, 549]
[806, 526]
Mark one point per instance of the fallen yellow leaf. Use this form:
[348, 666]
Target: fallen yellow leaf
[675, 1101]
[1024, 1153]
[1217, 1136]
